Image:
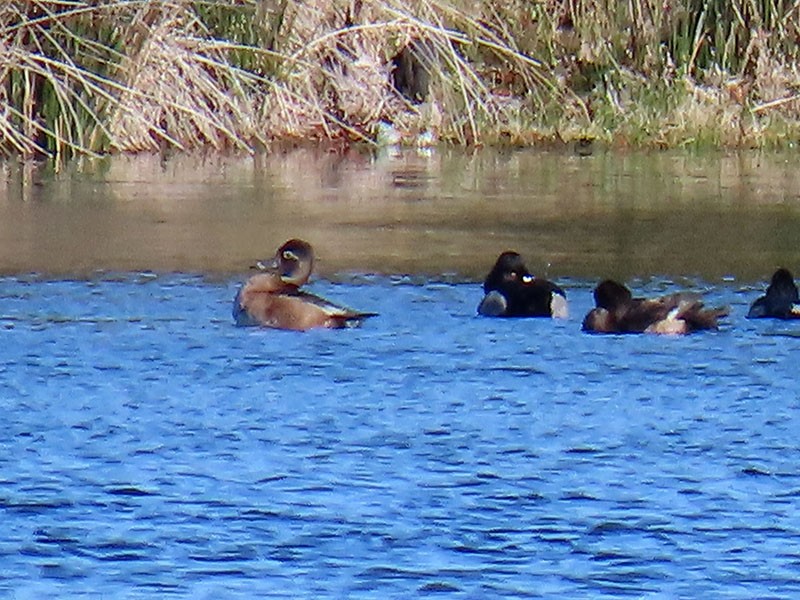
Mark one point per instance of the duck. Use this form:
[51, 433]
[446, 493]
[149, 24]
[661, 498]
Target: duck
[617, 311]
[273, 298]
[781, 301]
[511, 291]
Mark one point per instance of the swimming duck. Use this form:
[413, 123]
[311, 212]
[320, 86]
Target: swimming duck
[273, 297]
[781, 300]
[511, 291]
[617, 311]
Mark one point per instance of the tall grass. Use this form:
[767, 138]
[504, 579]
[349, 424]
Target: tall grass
[88, 78]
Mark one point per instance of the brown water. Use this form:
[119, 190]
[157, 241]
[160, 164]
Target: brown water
[448, 212]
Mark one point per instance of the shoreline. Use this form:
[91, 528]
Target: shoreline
[160, 77]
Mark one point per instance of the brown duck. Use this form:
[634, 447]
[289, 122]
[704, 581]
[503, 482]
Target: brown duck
[273, 298]
[617, 311]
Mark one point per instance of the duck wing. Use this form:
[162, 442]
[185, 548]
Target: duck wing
[697, 317]
[640, 314]
[331, 309]
[534, 297]
[688, 315]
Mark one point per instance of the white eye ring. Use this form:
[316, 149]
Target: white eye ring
[527, 278]
[289, 255]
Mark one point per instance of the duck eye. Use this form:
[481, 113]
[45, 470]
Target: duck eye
[527, 278]
[289, 255]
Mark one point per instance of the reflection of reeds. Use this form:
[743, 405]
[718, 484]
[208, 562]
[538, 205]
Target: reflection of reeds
[144, 75]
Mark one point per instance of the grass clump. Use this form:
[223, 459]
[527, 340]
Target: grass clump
[87, 78]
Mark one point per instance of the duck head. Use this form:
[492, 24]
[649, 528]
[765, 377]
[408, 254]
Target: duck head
[610, 295]
[509, 268]
[293, 261]
[782, 285]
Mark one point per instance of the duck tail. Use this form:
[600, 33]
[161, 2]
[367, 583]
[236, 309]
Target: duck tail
[698, 317]
[350, 320]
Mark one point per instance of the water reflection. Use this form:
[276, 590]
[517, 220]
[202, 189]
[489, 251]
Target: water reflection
[449, 211]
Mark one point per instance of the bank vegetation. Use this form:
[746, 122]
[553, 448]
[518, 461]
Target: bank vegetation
[118, 76]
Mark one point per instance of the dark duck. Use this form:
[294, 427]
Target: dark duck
[511, 291]
[617, 311]
[781, 300]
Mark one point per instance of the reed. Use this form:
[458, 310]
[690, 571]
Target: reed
[90, 78]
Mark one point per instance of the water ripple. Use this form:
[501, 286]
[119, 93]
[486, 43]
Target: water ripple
[152, 449]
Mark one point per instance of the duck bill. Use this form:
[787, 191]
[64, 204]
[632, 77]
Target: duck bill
[266, 265]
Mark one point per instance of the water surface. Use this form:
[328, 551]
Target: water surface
[151, 449]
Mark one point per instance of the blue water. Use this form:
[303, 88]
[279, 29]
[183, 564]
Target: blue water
[150, 449]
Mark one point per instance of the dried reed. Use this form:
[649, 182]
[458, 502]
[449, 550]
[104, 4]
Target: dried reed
[86, 78]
